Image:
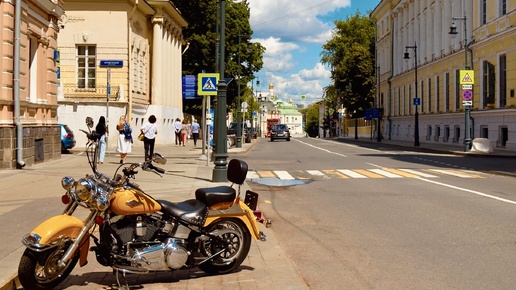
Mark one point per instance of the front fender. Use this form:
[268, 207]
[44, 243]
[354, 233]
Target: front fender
[54, 230]
[240, 211]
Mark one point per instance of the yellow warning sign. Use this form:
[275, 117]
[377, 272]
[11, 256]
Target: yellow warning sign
[467, 77]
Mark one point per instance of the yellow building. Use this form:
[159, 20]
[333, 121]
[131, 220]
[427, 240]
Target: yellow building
[485, 44]
[130, 50]
[28, 100]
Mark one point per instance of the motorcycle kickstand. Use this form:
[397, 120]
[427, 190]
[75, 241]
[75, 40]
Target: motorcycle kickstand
[126, 287]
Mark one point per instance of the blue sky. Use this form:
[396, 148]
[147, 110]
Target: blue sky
[293, 33]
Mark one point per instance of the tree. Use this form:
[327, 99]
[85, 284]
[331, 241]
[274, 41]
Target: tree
[351, 54]
[311, 117]
[201, 35]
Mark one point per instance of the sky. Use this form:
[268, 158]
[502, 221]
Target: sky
[293, 33]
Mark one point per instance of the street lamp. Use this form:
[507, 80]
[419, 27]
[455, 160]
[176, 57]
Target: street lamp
[239, 109]
[220, 154]
[467, 108]
[416, 99]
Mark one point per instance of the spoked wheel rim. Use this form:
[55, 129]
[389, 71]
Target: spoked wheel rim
[47, 270]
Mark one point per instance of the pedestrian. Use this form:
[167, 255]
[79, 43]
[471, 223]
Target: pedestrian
[149, 131]
[101, 129]
[195, 131]
[177, 130]
[188, 130]
[184, 132]
[125, 139]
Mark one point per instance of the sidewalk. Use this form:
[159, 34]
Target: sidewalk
[34, 194]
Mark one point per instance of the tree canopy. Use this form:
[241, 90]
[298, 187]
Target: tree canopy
[351, 55]
[242, 57]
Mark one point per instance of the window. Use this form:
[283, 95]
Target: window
[447, 92]
[437, 133]
[437, 96]
[429, 95]
[86, 75]
[503, 81]
[428, 132]
[484, 132]
[456, 137]
[503, 7]
[483, 12]
[488, 83]
[446, 136]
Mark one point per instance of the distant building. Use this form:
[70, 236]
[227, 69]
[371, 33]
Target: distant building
[485, 38]
[28, 100]
[287, 112]
[146, 38]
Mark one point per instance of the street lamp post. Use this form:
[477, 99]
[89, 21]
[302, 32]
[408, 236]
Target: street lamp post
[467, 108]
[239, 108]
[221, 150]
[416, 99]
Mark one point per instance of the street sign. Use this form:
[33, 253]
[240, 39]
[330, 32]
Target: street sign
[467, 103]
[111, 63]
[207, 84]
[417, 101]
[189, 87]
[368, 114]
[467, 87]
[467, 77]
[467, 95]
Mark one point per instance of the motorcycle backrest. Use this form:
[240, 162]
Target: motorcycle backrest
[237, 171]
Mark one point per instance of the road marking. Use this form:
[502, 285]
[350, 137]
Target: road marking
[351, 173]
[369, 173]
[252, 175]
[452, 173]
[335, 173]
[283, 175]
[470, 191]
[401, 173]
[266, 174]
[386, 173]
[315, 172]
[422, 174]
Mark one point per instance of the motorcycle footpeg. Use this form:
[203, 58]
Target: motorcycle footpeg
[263, 237]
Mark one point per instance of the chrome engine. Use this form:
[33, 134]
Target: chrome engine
[169, 255]
[150, 243]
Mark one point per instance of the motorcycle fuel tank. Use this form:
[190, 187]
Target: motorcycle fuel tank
[132, 201]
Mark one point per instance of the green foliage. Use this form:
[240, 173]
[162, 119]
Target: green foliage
[351, 54]
[242, 56]
[311, 117]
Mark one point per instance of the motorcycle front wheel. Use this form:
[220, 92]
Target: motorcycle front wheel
[40, 270]
[232, 251]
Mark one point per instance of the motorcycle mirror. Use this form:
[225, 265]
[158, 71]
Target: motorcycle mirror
[89, 122]
[158, 158]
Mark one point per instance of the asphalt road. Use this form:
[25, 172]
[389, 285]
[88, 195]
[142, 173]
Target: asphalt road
[375, 217]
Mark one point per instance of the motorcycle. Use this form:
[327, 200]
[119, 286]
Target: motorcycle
[138, 234]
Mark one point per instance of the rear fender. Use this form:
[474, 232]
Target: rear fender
[55, 230]
[240, 211]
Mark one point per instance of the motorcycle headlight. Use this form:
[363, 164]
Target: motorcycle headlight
[84, 189]
[102, 199]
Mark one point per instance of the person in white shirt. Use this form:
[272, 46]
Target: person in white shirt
[177, 130]
[149, 131]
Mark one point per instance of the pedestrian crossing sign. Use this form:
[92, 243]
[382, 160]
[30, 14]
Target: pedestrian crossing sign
[207, 84]
[467, 77]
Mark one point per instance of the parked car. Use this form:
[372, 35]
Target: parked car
[280, 131]
[245, 133]
[67, 138]
[253, 132]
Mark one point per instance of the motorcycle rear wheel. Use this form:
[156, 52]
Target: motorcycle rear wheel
[40, 270]
[238, 238]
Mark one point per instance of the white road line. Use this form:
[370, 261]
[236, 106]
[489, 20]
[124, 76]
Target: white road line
[283, 175]
[422, 174]
[351, 173]
[315, 172]
[322, 149]
[470, 191]
[385, 173]
[452, 173]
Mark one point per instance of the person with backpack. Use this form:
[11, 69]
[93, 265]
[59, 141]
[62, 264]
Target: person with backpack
[125, 140]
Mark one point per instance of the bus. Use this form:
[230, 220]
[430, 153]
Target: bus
[270, 123]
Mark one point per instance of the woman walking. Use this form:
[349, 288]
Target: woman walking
[184, 131]
[149, 130]
[101, 129]
[125, 139]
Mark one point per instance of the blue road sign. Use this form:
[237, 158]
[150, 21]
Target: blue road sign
[417, 102]
[111, 63]
[207, 84]
[189, 87]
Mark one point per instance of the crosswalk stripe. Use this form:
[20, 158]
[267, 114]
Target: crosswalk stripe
[351, 173]
[315, 172]
[369, 173]
[283, 175]
[402, 173]
[386, 173]
[422, 174]
[266, 174]
[452, 173]
[336, 173]
[252, 175]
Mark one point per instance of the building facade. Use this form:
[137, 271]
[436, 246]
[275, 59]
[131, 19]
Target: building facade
[121, 57]
[28, 101]
[419, 31]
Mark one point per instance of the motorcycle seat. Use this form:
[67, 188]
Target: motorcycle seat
[214, 195]
[191, 211]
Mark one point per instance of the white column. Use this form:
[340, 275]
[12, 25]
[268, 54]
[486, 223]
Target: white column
[157, 58]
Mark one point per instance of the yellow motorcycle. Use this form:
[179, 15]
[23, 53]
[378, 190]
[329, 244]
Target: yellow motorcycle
[137, 233]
